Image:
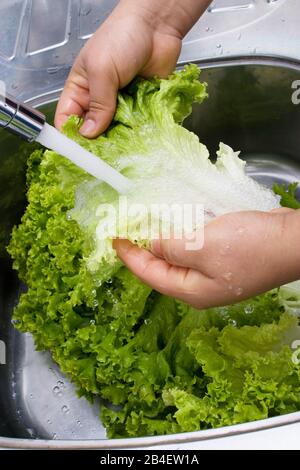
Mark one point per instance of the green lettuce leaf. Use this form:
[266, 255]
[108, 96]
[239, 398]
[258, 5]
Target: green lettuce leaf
[287, 195]
[158, 365]
[166, 164]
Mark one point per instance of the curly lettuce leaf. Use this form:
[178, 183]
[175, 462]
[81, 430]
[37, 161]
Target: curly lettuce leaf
[158, 365]
[287, 193]
[166, 163]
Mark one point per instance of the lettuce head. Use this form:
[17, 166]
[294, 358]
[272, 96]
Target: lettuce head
[164, 366]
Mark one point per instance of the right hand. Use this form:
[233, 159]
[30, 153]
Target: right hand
[139, 38]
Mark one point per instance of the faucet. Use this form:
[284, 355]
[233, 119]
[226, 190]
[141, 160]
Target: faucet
[20, 119]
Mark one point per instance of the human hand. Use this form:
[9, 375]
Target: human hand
[140, 37]
[244, 254]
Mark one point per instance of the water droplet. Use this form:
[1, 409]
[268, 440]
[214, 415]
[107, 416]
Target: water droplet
[239, 36]
[69, 217]
[147, 321]
[31, 432]
[219, 46]
[92, 322]
[239, 291]
[223, 310]
[57, 391]
[232, 322]
[49, 421]
[31, 396]
[228, 276]
[109, 281]
[52, 70]
[14, 394]
[207, 29]
[249, 309]
[225, 249]
[65, 409]
[79, 423]
[84, 11]
[61, 384]
[14, 86]
[54, 436]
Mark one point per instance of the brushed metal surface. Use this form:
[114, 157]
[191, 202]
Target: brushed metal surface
[250, 108]
[40, 39]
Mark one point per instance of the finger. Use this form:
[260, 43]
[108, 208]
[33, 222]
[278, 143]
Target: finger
[103, 89]
[282, 210]
[183, 283]
[179, 252]
[74, 98]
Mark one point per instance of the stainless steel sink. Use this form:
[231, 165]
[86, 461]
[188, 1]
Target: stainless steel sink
[250, 108]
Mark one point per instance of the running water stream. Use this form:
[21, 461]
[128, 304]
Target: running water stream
[58, 142]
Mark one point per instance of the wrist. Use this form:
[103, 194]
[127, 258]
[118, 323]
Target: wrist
[171, 16]
[283, 246]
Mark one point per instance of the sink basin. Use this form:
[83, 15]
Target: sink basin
[250, 108]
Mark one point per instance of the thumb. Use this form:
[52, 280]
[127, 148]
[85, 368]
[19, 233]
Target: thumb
[180, 252]
[103, 89]
[181, 282]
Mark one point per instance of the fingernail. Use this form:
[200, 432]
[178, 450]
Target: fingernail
[156, 248]
[88, 127]
[121, 245]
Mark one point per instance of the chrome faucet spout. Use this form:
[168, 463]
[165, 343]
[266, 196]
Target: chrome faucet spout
[20, 119]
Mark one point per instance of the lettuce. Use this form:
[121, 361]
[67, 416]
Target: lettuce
[158, 365]
[166, 163]
[287, 195]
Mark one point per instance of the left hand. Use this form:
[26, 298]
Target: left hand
[244, 254]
